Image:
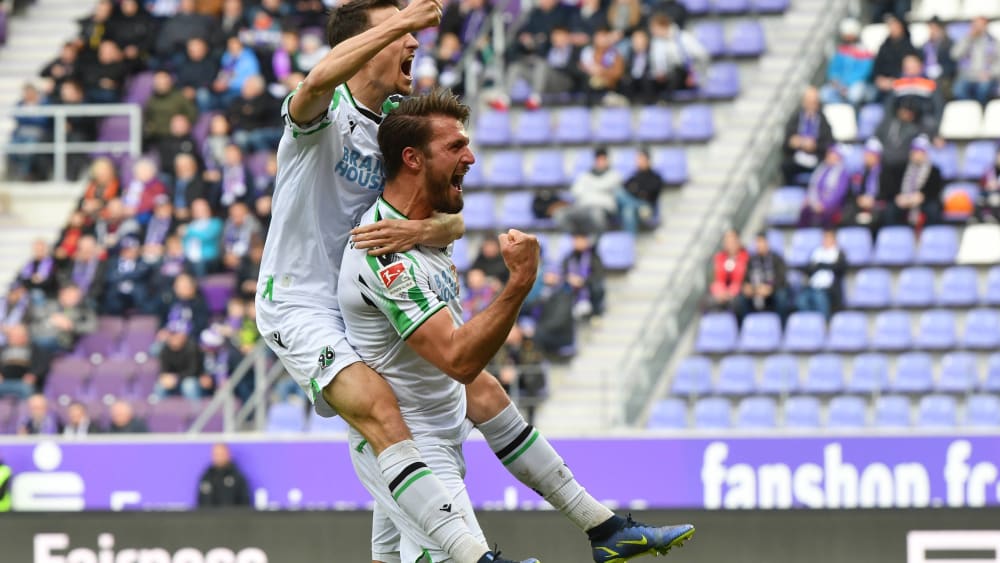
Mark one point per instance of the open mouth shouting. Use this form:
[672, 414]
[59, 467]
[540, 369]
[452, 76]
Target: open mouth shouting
[457, 179]
[406, 67]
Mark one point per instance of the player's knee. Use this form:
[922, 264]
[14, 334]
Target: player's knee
[485, 398]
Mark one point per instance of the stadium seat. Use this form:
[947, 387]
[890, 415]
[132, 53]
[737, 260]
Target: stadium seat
[723, 7]
[894, 246]
[506, 170]
[582, 160]
[547, 169]
[991, 121]
[218, 289]
[936, 330]
[617, 250]
[493, 128]
[946, 159]
[943, 9]
[786, 204]
[711, 36]
[757, 412]
[722, 81]
[802, 412]
[824, 374]
[96, 345]
[479, 211]
[780, 375]
[668, 413]
[961, 120]
[959, 213]
[695, 123]
[475, 177]
[712, 413]
[769, 6]
[914, 373]
[872, 289]
[873, 35]
[892, 331]
[804, 242]
[671, 163]
[992, 295]
[717, 333]
[979, 157]
[980, 245]
[114, 129]
[761, 332]
[937, 411]
[655, 125]
[975, 8]
[892, 411]
[982, 330]
[992, 382]
[848, 332]
[736, 376]
[776, 240]
[870, 374]
[959, 287]
[746, 39]
[958, 373]
[915, 287]
[869, 119]
[112, 378]
[169, 415]
[696, 7]
[146, 376]
[938, 245]
[613, 125]
[805, 332]
[623, 160]
[693, 376]
[847, 412]
[285, 417]
[982, 410]
[573, 125]
[843, 121]
[533, 128]
[856, 242]
[516, 211]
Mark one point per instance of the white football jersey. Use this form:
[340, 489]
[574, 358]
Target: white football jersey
[329, 173]
[384, 300]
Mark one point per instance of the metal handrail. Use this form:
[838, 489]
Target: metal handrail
[224, 397]
[61, 148]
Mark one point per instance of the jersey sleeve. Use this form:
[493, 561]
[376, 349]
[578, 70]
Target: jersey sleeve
[400, 288]
[324, 127]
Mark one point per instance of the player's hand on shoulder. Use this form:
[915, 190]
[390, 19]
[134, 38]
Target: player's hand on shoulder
[422, 14]
[388, 236]
[521, 254]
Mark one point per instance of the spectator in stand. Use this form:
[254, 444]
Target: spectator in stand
[78, 422]
[39, 274]
[807, 138]
[161, 224]
[86, 270]
[465, 19]
[254, 117]
[127, 283]
[188, 186]
[533, 36]
[849, 73]
[79, 129]
[447, 58]
[95, 28]
[249, 269]
[179, 141]
[552, 310]
[549, 72]
[490, 261]
[64, 67]
[140, 195]
[56, 325]
[584, 272]
[214, 147]
[860, 208]
[103, 187]
[104, 78]
[29, 130]
[285, 59]
[123, 420]
[828, 187]
[186, 304]
[115, 224]
[165, 103]
[238, 64]
[70, 236]
[180, 363]
[232, 22]
[178, 29]
[637, 83]
[918, 92]
[17, 363]
[764, 284]
[896, 134]
[195, 74]
[638, 202]
[889, 60]
[827, 266]
[624, 17]
[220, 359]
[202, 239]
[480, 292]
[13, 309]
[603, 66]
[594, 198]
[240, 230]
[730, 271]
[940, 66]
[223, 484]
[133, 30]
[264, 32]
[171, 265]
[521, 369]
[678, 61]
[584, 22]
[978, 64]
[311, 53]
[919, 192]
[236, 180]
[39, 419]
[987, 207]
[265, 192]
[675, 9]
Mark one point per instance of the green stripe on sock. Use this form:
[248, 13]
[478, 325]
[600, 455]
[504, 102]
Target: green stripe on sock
[524, 448]
[424, 473]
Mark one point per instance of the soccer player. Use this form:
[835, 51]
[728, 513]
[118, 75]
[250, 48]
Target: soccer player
[329, 172]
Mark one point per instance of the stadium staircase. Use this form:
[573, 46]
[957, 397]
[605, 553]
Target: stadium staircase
[587, 395]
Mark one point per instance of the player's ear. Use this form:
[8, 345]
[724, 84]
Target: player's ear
[413, 158]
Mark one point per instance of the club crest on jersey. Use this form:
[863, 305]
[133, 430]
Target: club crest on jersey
[326, 357]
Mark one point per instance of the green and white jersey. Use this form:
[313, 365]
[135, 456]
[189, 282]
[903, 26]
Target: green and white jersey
[329, 173]
[383, 301]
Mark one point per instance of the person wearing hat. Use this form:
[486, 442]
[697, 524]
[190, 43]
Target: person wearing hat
[889, 60]
[127, 281]
[848, 76]
[978, 64]
[827, 189]
[919, 192]
[860, 207]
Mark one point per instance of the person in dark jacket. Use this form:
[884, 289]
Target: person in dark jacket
[180, 363]
[521, 369]
[918, 192]
[222, 483]
[127, 281]
[187, 304]
[807, 138]
[39, 275]
[254, 117]
[63, 68]
[133, 30]
[533, 36]
[939, 65]
[764, 284]
[889, 60]
[638, 201]
[490, 261]
[827, 265]
[896, 134]
[177, 30]
[198, 69]
[860, 208]
[104, 78]
[124, 421]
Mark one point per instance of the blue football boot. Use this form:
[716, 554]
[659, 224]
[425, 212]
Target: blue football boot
[634, 539]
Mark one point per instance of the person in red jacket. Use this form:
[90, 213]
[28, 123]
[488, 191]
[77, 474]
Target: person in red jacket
[730, 268]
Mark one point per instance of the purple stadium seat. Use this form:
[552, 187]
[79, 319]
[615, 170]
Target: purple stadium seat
[992, 295]
[757, 412]
[696, 7]
[776, 240]
[96, 344]
[804, 242]
[730, 6]
[460, 254]
[257, 164]
[172, 414]
[824, 374]
[854, 158]
[3, 41]
[936, 330]
[671, 163]
[668, 413]
[139, 88]
[712, 413]
[761, 332]
[982, 330]
[746, 39]
[958, 373]
[516, 211]
[938, 245]
[979, 157]
[114, 128]
[982, 410]
[992, 382]
[914, 373]
[785, 206]
[475, 177]
[869, 118]
[946, 159]
[533, 128]
[617, 250]
[957, 30]
[894, 246]
[507, 170]
[856, 243]
[64, 386]
[520, 91]
[959, 287]
[915, 287]
[972, 190]
[285, 417]
[479, 211]
[937, 411]
[623, 160]
[7, 410]
[802, 412]
[547, 169]
[736, 376]
[613, 125]
[110, 384]
[146, 375]
[493, 128]
[848, 332]
[322, 425]
[202, 127]
[573, 125]
[695, 123]
[142, 323]
[722, 81]
[217, 289]
[872, 289]
[711, 36]
[780, 375]
[847, 412]
[693, 376]
[806, 332]
[870, 374]
[892, 331]
[892, 411]
[769, 6]
[716, 333]
[655, 125]
[111, 326]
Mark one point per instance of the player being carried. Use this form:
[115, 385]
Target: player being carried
[329, 172]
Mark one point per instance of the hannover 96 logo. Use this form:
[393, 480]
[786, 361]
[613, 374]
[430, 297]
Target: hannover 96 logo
[326, 358]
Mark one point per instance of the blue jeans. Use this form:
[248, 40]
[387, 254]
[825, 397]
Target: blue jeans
[979, 91]
[15, 388]
[264, 139]
[187, 388]
[630, 206]
[812, 299]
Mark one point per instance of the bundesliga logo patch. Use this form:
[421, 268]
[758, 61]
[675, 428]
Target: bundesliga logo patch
[396, 279]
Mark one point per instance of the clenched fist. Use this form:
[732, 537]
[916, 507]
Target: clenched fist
[421, 14]
[521, 254]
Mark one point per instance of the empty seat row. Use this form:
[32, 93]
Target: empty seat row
[894, 246]
[616, 249]
[914, 372]
[71, 378]
[918, 287]
[729, 7]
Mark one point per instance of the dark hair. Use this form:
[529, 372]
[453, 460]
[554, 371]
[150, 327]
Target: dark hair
[762, 234]
[601, 151]
[351, 18]
[408, 125]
